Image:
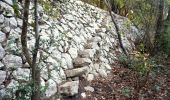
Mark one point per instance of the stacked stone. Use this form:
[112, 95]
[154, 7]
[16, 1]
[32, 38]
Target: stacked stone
[82, 42]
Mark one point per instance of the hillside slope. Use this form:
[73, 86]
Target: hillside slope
[81, 42]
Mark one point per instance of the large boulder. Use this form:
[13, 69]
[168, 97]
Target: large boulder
[76, 72]
[10, 2]
[68, 60]
[69, 88]
[73, 52]
[87, 53]
[79, 62]
[51, 88]
[22, 74]
[12, 61]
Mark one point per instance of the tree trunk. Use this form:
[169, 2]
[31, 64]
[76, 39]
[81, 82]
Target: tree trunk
[158, 26]
[113, 6]
[117, 28]
[35, 68]
[24, 32]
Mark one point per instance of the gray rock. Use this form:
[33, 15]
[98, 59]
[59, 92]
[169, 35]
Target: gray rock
[69, 34]
[40, 9]
[1, 65]
[51, 88]
[92, 45]
[83, 95]
[68, 59]
[103, 59]
[69, 88]
[96, 39]
[56, 77]
[44, 73]
[90, 77]
[13, 22]
[78, 62]
[2, 76]
[62, 74]
[13, 85]
[89, 88]
[55, 54]
[102, 72]
[12, 61]
[22, 74]
[87, 53]
[55, 32]
[65, 27]
[19, 22]
[2, 37]
[1, 18]
[2, 93]
[73, 52]
[69, 17]
[72, 25]
[107, 66]
[77, 39]
[76, 72]
[63, 63]
[60, 28]
[10, 2]
[6, 29]
[2, 52]
[7, 9]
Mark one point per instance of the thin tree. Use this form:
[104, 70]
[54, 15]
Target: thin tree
[31, 60]
[158, 26]
[116, 27]
[35, 68]
[24, 32]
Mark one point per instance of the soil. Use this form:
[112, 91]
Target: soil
[120, 85]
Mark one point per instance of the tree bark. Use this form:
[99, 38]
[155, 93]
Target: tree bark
[113, 6]
[158, 26]
[117, 28]
[24, 33]
[35, 68]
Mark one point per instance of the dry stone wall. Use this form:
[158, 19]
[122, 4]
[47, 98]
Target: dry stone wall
[82, 42]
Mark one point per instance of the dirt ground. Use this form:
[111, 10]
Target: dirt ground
[120, 85]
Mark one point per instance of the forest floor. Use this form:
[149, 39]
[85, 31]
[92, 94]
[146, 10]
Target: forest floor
[120, 85]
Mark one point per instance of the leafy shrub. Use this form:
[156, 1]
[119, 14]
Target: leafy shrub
[137, 61]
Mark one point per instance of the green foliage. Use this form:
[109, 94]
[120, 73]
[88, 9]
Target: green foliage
[123, 59]
[127, 24]
[24, 91]
[16, 9]
[49, 8]
[127, 91]
[165, 38]
[98, 3]
[138, 62]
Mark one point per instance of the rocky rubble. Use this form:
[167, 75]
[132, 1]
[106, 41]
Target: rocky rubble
[82, 42]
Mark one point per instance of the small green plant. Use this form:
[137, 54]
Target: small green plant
[24, 91]
[49, 8]
[123, 59]
[127, 91]
[141, 65]
[16, 9]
